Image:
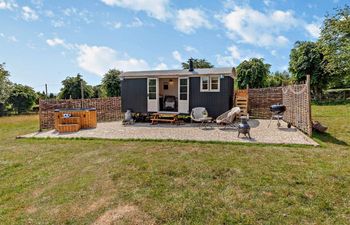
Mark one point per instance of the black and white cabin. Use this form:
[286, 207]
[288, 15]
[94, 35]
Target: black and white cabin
[178, 90]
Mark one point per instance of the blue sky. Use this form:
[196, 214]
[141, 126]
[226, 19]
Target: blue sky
[44, 41]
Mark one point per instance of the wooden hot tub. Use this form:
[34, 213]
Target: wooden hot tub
[72, 120]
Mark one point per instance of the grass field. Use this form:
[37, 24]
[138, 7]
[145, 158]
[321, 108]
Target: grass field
[84, 181]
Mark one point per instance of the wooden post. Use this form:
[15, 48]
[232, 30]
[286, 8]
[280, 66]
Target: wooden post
[46, 91]
[40, 119]
[308, 83]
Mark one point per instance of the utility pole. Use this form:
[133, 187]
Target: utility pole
[81, 89]
[46, 90]
[82, 94]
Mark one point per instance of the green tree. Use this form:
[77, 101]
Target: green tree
[98, 91]
[252, 73]
[111, 83]
[40, 95]
[335, 46]
[52, 96]
[278, 79]
[72, 88]
[197, 63]
[306, 58]
[5, 84]
[22, 98]
[5, 87]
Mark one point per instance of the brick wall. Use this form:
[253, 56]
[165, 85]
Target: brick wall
[108, 109]
[261, 99]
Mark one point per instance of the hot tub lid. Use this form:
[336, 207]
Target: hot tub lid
[76, 109]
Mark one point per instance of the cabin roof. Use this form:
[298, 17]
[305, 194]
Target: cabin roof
[159, 73]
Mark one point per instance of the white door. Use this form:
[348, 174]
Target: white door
[152, 95]
[183, 103]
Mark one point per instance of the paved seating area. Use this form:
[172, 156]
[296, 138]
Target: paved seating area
[259, 131]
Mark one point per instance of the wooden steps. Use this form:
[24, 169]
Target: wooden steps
[66, 128]
[242, 101]
[68, 124]
[78, 119]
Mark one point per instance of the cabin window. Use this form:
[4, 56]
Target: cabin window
[210, 84]
[204, 83]
[215, 83]
[152, 89]
[183, 89]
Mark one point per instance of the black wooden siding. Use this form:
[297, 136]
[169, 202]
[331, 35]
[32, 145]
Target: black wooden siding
[134, 95]
[216, 103]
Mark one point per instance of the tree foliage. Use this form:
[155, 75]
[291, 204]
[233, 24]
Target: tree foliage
[252, 73]
[99, 91]
[197, 63]
[72, 88]
[335, 46]
[111, 83]
[22, 98]
[278, 79]
[306, 58]
[5, 84]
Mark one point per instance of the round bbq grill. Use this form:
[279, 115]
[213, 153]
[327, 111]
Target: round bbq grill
[277, 113]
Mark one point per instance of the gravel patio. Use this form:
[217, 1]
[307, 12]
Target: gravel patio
[260, 133]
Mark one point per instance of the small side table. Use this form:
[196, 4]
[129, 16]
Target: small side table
[206, 122]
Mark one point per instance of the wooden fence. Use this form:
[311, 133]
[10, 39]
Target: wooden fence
[296, 98]
[108, 109]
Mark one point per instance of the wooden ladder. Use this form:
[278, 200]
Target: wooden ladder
[242, 101]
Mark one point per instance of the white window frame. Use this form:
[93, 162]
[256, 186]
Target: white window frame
[218, 89]
[209, 84]
[201, 84]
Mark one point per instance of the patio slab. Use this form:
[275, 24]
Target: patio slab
[260, 133]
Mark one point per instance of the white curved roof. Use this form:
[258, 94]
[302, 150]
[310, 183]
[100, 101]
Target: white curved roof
[158, 73]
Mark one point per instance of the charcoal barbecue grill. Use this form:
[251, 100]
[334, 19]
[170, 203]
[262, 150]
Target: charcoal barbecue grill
[277, 113]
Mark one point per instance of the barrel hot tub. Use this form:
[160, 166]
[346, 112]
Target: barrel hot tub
[72, 120]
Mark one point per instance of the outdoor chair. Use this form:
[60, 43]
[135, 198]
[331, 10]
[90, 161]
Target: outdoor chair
[200, 114]
[169, 103]
[228, 118]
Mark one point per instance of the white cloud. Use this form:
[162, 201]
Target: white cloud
[313, 29]
[161, 66]
[8, 4]
[282, 40]
[9, 38]
[190, 49]
[29, 14]
[188, 20]
[258, 28]
[12, 38]
[59, 42]
[136, 23]
[274, 52]
[117, 25]
[267, 2]
[155, 8]
[177, 56]
[55, 42]
[57, 23]
[235, 56]
[99, 59]
[49, 13]
[83, 15]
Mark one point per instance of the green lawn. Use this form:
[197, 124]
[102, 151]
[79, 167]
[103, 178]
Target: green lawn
[81, 181]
